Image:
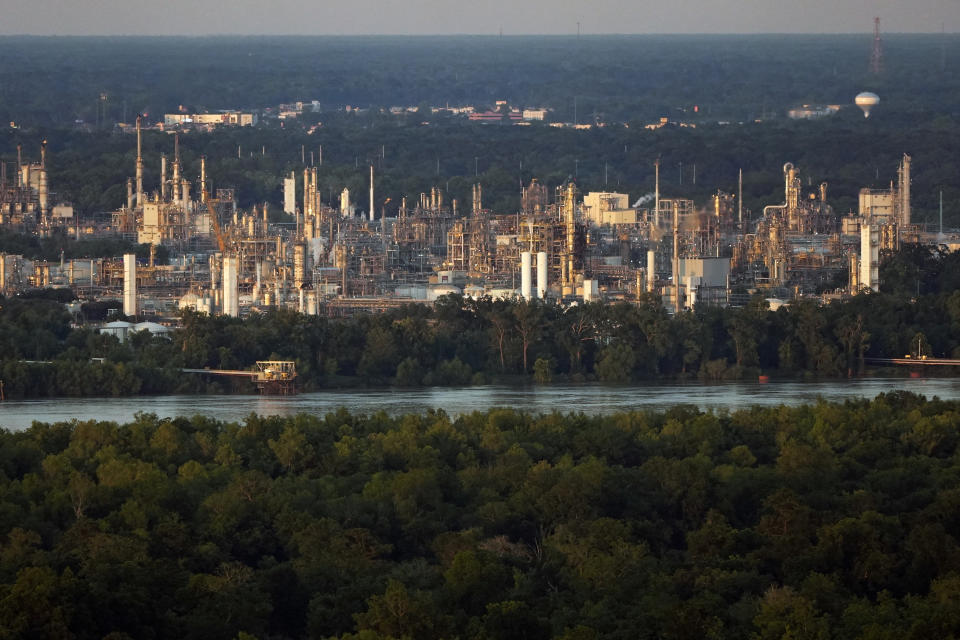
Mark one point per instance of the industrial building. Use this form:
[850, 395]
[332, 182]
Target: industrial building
[26, 201]
[220, 118]
[339, 257]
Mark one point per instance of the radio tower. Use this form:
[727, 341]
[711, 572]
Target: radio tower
[876, 56]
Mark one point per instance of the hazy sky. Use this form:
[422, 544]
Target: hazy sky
[349, 17]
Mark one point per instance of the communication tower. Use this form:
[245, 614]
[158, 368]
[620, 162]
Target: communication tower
[876, 55]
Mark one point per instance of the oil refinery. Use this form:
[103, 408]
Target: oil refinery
[337, 257]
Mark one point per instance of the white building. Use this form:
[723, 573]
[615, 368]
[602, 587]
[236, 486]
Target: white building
[603, 208]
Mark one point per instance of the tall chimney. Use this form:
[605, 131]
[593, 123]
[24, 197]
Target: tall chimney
[371, 193]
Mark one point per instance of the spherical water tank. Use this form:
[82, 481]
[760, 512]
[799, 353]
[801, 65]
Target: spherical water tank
[867, 101]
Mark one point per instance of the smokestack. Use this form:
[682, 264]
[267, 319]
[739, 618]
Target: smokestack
[19, 165]
[371, 193]
[139, 168]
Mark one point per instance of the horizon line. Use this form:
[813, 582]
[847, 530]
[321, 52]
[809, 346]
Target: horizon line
[572, 34]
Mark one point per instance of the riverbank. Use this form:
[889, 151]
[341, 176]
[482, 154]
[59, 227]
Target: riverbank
[591, 399]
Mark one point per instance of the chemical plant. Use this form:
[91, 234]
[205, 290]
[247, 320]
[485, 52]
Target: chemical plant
[562, 245]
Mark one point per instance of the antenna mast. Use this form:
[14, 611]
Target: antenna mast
[876, 55]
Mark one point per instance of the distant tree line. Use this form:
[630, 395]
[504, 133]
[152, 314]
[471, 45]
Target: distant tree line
[463, 341]
[90, 169]
[827, 521]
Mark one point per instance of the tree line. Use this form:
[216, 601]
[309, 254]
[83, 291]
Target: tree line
[826, 521]
[463, 341]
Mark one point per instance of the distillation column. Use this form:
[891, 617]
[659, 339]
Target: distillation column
[231, 294]
[139, 175]
[651, 270]
[569, 285]
[675, 267]
[371, 194]
[129, 285]
[42, 186]
[869, 257]
[164, 187]
[905, 191]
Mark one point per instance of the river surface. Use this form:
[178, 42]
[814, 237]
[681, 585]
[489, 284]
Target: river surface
[588, 398]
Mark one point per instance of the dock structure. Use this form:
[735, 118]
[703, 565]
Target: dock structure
[276, 377]
[916, 362]
[272, 377]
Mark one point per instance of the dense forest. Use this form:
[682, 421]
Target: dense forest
[830, 521]
[733, 77]
[747, 82]
[462, 341]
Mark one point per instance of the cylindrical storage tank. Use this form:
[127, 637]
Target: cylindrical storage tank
[542, 275]
[526, 275]
[651, 270]
[312, 303]
[129, 284]
[437, 291]
[231, 298]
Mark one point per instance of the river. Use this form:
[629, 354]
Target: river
[588, 398]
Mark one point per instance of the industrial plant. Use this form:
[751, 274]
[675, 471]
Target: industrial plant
[336, 258]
